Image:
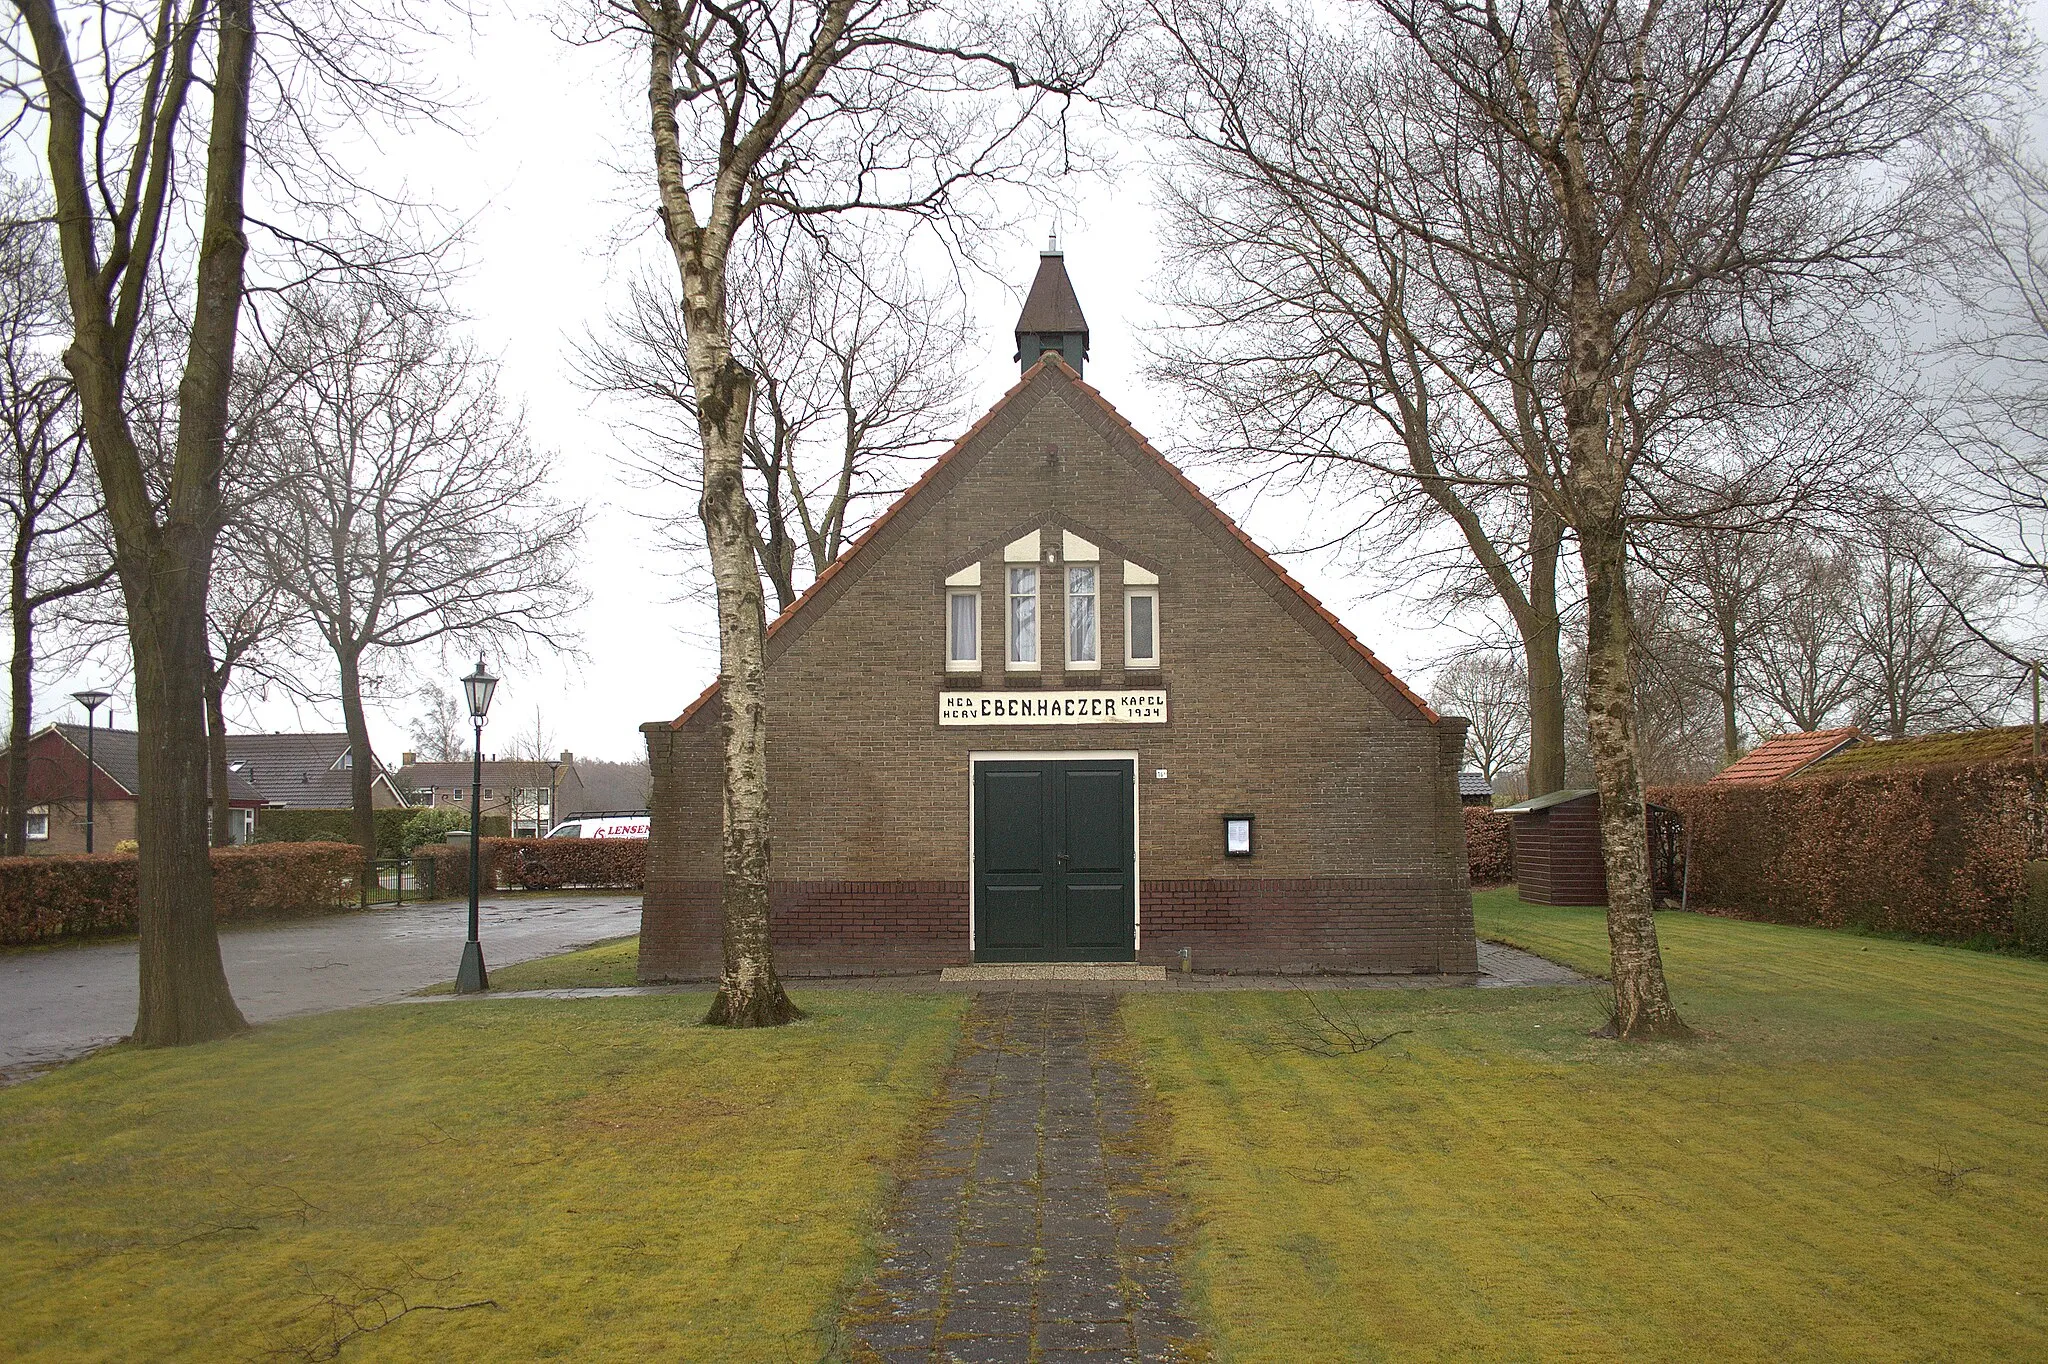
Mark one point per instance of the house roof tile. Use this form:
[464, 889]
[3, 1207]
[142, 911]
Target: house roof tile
[1777, 758]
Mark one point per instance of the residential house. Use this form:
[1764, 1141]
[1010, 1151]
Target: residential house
[306, 772]
[57, 790]
[524, 792]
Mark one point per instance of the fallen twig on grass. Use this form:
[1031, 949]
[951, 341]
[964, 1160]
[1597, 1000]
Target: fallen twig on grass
[354, 1309]
[1322, 1032]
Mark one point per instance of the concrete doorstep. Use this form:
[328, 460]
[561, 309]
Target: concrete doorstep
[1055, 970]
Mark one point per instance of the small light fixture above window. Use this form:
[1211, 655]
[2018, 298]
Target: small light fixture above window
[1237, 835]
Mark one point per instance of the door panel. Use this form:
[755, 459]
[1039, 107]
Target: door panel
[1097, 819]
[1054, 845]
[1013, 820]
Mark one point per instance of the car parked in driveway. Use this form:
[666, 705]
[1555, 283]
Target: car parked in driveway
[605, 824]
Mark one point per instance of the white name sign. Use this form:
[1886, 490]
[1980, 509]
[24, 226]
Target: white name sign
[1052, 708]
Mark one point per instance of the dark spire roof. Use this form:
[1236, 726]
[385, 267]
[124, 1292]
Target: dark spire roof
[1052, 317]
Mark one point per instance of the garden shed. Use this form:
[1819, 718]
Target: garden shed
[1557, 849]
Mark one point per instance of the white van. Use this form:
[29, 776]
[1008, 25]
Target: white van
[607, 824]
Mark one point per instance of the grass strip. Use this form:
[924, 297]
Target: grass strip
[1851, 1164]
[517, 1180]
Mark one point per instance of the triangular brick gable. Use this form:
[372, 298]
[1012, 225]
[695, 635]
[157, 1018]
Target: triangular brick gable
[1007, 410]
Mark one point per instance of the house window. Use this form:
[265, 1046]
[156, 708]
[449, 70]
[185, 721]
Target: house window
[1141, 628]
[38, 830]
[1024, 618]
[963, 630]
[487, 793]
[458, 793]
[242, 825]
[1082, 621]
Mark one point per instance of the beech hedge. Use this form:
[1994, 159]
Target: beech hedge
[47, 898]
[538, 864]
[1941, 851]
[1489, 846]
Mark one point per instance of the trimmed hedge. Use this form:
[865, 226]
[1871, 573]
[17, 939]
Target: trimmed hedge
[1940, 851]
[47, 898]
[1489, 846]
[339, 826]
[537, 864]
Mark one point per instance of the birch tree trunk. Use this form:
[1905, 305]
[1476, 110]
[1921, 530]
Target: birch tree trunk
[1599, 481]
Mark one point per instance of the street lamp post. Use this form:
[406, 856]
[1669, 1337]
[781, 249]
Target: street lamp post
[477, 689]
[553, 768]
[92, 701]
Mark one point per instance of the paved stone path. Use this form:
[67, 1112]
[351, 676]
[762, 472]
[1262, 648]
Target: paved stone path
[1031, 1231]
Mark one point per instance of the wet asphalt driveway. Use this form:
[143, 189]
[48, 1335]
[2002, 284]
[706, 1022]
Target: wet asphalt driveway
[60, 1002]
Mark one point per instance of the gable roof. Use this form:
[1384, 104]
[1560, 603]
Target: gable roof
[1777, 758]
[297, 769]
[117, 753]
[508, 771]
[1052, 369]
[1474, 784]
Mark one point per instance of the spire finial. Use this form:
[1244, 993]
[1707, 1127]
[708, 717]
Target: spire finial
[1052, 241]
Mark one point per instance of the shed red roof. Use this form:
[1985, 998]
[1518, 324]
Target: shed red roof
[1052, 362]
[1778, 758]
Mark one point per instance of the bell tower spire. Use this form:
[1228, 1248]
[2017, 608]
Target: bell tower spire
[1052, 318]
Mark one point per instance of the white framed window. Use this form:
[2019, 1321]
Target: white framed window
[1023, 619]
[1141, 627]
[241, 825]
[963, 630]
[1083, 620]
[38, 827]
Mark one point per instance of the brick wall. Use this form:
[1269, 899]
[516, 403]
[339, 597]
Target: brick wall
[1270, 713]
[1293, 925]
[113, 821]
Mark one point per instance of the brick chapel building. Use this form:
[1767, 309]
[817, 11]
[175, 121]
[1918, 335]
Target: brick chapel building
[1055, 706]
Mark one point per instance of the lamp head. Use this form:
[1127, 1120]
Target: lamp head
[478, 688]
[91, 700]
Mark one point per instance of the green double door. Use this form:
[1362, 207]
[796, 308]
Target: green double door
[1053, 861]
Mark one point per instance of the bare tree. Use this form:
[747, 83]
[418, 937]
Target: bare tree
[775, 119]
[1332, 352]
[1803, 662]
[146, 116]
[1718, 593]
[56, 532]
[438, 731]
[1995, 499]
[1919, 665]
[113, 179]
[1492, 693]
[250, 628]
[1693, 191]
[402, 502]
[858, 368]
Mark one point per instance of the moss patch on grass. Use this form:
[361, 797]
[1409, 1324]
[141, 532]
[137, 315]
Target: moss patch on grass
[612, 1179]
[1851, 1164]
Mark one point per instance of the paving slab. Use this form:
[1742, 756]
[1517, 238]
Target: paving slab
[1030, 1228]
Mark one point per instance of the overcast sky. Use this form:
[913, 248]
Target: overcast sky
[550, 181]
